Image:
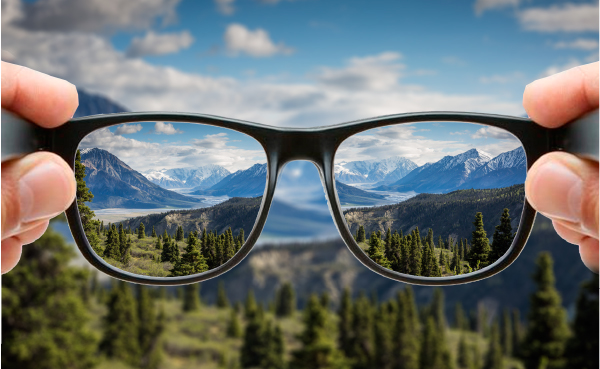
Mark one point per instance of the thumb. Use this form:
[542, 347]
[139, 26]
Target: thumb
[564, 188]
[34, 188]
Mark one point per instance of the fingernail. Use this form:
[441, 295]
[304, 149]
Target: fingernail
[558, 192]
[43, 192]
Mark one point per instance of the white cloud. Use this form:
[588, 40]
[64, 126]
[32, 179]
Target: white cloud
[459, 133]
[143, 156]
[378, 72]
[454, 60]
[91, 62]
[493, 132]
[566, 18]
[162, 128]
[482, 5]
[159, 44]
[225, 7]
[257, 43]
[95, 15]
[503, 78]
[215, 141]
[126, 129]
[578, 44]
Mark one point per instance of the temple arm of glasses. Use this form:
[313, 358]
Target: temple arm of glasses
[579, 137]
[20, 137]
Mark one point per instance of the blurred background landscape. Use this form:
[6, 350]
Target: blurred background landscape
[300, 63]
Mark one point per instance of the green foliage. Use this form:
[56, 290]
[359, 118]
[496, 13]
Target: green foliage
[222, 301]
[407, 330]
[191, 297]
[434, 351]
[42, 311]
[150, 329]
[318, 350]
[153, 232]
[376, 252]
[480, 247]
[285, 301]
[234, 329]
[547, 329]
[250, 306]
[502, 238]
[494, 359]
[345, 323]
[121, 326]
[582, 348]
[465, 356]
[506, 335]
[192, 261]
[362, 333]
[141, 231]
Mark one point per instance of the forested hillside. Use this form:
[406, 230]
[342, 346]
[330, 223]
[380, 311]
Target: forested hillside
[448, 214]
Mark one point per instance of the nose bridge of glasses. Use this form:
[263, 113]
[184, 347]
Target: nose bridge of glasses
[316, 147]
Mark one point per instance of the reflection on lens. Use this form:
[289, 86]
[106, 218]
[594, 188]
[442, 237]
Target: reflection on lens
[432, 199]
[168, 199]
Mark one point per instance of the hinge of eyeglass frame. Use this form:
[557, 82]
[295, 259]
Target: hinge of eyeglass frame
[579, 137]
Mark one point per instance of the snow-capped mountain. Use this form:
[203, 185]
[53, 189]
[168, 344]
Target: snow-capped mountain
[442, 176]
[504, 170]
[472, 169]
[202, 177]
[115, 184]
[371, 171]
[243, 183]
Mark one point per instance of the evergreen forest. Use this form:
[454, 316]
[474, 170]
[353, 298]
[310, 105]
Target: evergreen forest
[425, 256]
[59, 315]
[151, 250]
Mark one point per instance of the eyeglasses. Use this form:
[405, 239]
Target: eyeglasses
[431, 198]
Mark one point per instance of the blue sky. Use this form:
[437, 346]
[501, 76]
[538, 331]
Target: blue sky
[305, 62]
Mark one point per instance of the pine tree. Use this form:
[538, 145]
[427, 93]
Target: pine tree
[83, 195]
[222, 301]
[517, 331]
[375, 251]
[165, 235]
[317, 350]
[582, 348]
[153, 232]
[111, 244]
[434, 351]
[126, 251]
[42, 309]
[325, 300]
[464, 359]
[121, 326]
[506, 334]
[158, 245]
[191, 297]
[407, 331]
[150, 329]
[362, 334]
[179, 234]
[503, 237]
[361, 235]
[415, 253]
[460, 319]
[274, 349]
[384, 355]
[547, 329]
[285, 304]
[494, 359]
[192, 262]
[141, 231]
[345, 323]
[250, 304]
[480, 247]
[437, 310]
[253, 346]
[234, 329]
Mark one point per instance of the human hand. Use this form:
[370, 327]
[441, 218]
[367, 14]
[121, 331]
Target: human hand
[38, 186]
[559, 185]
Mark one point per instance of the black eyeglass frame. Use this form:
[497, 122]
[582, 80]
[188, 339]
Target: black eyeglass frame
[318, 145]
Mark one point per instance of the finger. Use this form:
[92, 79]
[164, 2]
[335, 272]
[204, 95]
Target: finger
[23, 227]
[32, 234]
[588, 249]
[38, 186]
[560, 98]
[567, 233]
[565, 187]
[11, 253]
[43, 99]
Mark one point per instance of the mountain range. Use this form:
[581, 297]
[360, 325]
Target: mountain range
[200, 178]
[472, 169]
[370, 171]
[115, 184]
[243, 183]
